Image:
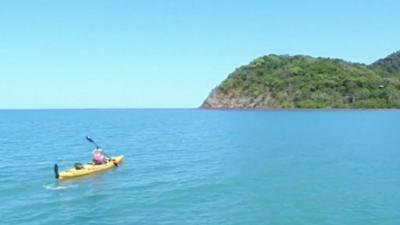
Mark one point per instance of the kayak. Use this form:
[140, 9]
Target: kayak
[87, 169]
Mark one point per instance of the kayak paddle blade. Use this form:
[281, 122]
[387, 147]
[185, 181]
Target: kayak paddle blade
[57, 175]
[91, 141]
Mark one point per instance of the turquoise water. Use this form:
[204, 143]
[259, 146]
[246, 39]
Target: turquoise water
[203, 167]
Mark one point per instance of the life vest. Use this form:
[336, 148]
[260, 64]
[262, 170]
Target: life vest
[98, 157]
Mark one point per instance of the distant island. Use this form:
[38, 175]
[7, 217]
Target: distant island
[283, 81]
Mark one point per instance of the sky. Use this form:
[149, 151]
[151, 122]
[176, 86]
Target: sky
[170, 54]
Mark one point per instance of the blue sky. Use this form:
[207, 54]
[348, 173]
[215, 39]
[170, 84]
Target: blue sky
[166, 54]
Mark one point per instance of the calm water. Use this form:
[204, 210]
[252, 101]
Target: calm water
[203, 167]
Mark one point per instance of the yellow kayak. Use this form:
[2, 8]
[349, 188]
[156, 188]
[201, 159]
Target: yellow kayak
[87, 169]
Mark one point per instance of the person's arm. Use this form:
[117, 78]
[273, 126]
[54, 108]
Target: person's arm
[107, 156]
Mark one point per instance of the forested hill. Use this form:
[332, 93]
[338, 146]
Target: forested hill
[389, 66]
[282, 81]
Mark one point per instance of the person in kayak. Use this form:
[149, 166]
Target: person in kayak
[99, 157]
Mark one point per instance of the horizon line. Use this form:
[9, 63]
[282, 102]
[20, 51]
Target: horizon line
[211, 109]
[96, 108]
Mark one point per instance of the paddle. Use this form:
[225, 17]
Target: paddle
[57, 175]
[91, 141]
[97, 146]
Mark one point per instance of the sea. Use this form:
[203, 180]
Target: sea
[196, 166]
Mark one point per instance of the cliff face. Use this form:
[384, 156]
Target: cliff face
[275, 81]
[218, 99]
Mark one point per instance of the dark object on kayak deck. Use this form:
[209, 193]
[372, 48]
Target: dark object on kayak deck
[78, 166]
